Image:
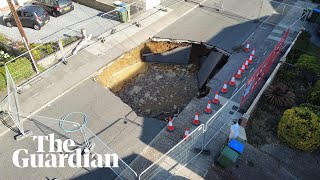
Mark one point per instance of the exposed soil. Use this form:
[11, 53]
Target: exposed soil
[151, 90]
[161, 90]
[130, 59]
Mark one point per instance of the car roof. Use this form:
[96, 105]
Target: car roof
[29, 8]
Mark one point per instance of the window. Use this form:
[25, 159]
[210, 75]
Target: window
[19, 13]
[26, 14]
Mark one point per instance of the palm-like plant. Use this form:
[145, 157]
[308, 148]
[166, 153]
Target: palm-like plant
[280, 95]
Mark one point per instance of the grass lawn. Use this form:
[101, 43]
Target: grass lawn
[20, 70]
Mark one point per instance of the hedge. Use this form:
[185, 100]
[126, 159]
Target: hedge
[314, 95]
[309, 63]
[300, 129]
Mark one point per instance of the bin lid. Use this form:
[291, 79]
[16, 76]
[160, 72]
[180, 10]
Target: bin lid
[236, 145]
[229, 153]
[119, 3]
[121, 10]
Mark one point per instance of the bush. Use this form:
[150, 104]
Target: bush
[299, 127]
[280, 95]
[303, 45]
[309, 63]
[36, 55]
[313, 108]
[314, 95]
[49, 49]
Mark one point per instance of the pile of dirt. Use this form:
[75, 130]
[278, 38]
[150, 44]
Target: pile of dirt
[161, 90]
[160, 47]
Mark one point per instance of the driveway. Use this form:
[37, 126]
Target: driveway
[68, 24]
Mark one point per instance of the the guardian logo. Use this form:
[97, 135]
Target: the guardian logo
[59, 155]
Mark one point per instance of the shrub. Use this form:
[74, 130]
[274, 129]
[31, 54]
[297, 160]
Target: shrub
[49, 49]
[313, 108]
[285, 75]
[308, 63]
[314, 95]
[299, 127]
[280, 95]
[36, 55]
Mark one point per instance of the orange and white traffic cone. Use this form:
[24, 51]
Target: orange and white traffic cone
[186, 134]
[238, 75]
[247, 47]
[224, 88]
[208, 108]
[246, 64]
[196, 121]
[170, 125]
[232, 81]
[242, 68]
[253, 52]
[216, 98]
[250, 59]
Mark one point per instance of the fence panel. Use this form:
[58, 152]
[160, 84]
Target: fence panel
[214, 125]
[175, 159]
[123, 171]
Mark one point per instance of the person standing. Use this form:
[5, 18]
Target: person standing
[234, 130]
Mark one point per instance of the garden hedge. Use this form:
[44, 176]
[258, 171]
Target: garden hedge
[309, 63]
[314, 95]
[300, 129]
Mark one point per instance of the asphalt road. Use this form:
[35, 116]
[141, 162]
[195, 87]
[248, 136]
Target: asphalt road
[226, 28]
[68, 24]
[109, 118]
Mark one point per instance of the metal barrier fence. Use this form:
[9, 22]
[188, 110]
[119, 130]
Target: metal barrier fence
[123, 171]
[184, 152]
[179, 156]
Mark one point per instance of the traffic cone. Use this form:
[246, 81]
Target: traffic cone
[216, 98]
[186, 134]
[232, 82]
[253, 52]
[246, 64]
[238, 75]
[250, 59]
[224, 88]
[242, 68]
[196, 121]
[208, 108]
[247, 46]
[170, 126]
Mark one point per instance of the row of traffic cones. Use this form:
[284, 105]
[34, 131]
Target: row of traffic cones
[186, 133]
[195, 122]
[224, 89]
[247, 62]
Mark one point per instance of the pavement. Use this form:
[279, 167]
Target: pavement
[114, 123]
[269, 162]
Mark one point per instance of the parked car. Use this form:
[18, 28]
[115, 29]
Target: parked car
[30, 16]
[55, 7]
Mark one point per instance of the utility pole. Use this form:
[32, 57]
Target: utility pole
[23, 35]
